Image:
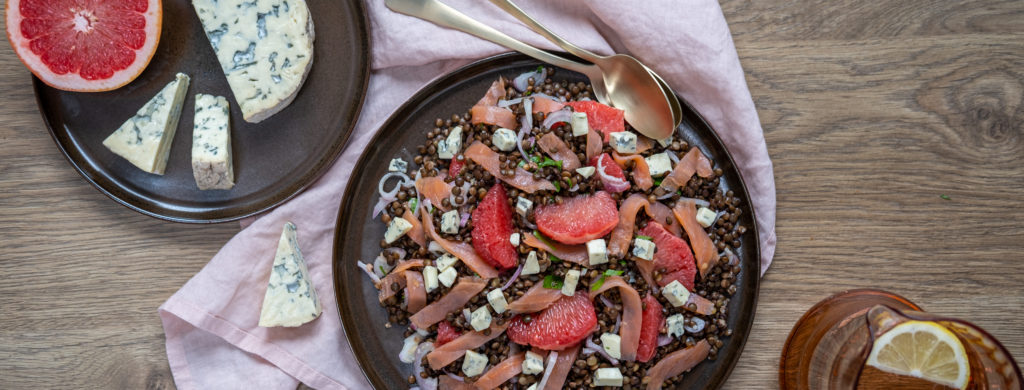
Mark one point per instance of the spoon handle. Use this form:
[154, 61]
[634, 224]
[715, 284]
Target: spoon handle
[514, 10]
[438, 13]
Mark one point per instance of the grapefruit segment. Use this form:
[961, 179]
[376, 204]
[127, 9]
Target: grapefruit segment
[84, 46]
[565, 323]
[492, 226]
[672, 256]
[578, 219]
[601, 117]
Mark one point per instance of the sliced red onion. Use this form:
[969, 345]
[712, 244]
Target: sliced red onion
[406, 181]
[718, 215]
[426, 205]
[604, 300]
[381, 204]
[419, 205]
[380, 263]
[562, 115]
[610, 183]
[456, 377]
[549, 366]
[600, 351]
[463, 218]
[664, 339]
[698, 325]
[527, 223]
[587, 351]
[396, 250]
[672, 156]
[523, 80]
[618, 321]
[526, 126]
[575, 187]
[425, 383]
[506, 103]
[733, 259]
[513, 278]
[698, 202]
[467, 314]
[366, 269]
[586, 99]
[465, 189]
[667, 195]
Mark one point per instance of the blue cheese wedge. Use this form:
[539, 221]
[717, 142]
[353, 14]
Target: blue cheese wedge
[572, 277]
[676, 293]
[659, 164]
[612, 344]
[211, 144]
[533, 364]
[473, 364]
[597, 251]
[145, 139]
[643, 248]
[291, 299]
[504, 139]
[451, 146]
[532, 266]
[676, 325]
[264, 47]
[623, 142]
[609, 376]
[580, 125]
[398, 165]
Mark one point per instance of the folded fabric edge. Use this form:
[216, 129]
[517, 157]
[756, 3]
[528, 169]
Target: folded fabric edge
[205, 321]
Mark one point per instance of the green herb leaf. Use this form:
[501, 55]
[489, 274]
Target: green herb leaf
[648, 238]
[540, 69]
[558, 188]
[657, 182]
[613, 272]
[412, 205]
[548, 162]
[944, 196]
[535, 159]
[597, 285]
[623, 263]
[552, 283]
[553, 258]
[382, 270]
[522, 163]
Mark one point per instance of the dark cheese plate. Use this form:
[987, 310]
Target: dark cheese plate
[358, 234]
[273, 160]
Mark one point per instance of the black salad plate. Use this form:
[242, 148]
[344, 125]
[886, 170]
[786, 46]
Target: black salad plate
[358, 234]
[274, 159]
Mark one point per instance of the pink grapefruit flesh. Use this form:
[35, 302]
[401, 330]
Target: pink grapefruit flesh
[84, 45]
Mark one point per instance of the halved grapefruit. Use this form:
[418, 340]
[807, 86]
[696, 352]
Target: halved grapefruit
[84, 46]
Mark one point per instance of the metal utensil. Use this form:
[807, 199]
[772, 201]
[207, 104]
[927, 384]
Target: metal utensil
[643, 100]
[620, 70]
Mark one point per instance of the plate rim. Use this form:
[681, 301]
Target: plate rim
[311, 177]
[412, 103]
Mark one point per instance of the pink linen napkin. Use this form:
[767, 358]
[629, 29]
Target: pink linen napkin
[213, 340]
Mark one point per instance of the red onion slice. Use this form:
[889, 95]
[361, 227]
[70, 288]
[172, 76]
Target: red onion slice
[463, 218]
[526, 126]
[513, 278]
[366, 269]
[456, 377]
[618, 321]
[554, 117]
[672, 156]
[610, 183]
[733, 259]
[506, 103]
[600, 351]
[546, 96]
[698, 325]
[698, 202]
[664, 339]
[549, 366]
[425, 383]
[523, 80]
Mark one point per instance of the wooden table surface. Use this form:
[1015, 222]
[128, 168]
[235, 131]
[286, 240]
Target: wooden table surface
[872, 111]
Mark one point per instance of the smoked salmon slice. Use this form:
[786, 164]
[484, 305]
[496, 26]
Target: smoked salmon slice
[703, 248]
[643, 144]
[435, 189]
[632, 314]
[445, 382]
[461, 250]
[453, 350]
[501, 372]
[396, 276]
[676, 363]
[454, 300]
[488, 159]
[622, 235]
[415, 292]
[545, 105]
[641, 172]
[535, 299]
[663, 215]
[594, 144]
[693, 162]
[571, 253]
[558, 150]
[486, 110]
[416, 233]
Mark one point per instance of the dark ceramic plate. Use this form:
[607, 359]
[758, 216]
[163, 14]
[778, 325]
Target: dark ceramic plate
[273, 159]
[358, 234]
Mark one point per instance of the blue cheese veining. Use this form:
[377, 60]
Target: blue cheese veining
[291, 299]
[211, 144]
[265, 48]
[145, 139]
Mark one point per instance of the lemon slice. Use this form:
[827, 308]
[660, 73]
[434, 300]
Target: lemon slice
[922, 349]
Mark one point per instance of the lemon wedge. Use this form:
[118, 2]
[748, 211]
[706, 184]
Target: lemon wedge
[922, 349]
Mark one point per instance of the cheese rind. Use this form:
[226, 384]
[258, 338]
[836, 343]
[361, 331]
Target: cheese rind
[264, 47]
[211, 144]
[291, 299]
[145, 139]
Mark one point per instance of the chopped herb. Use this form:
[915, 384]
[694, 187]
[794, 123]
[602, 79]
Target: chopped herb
[558, 188]
[412, 205]
[944, 196]
[522, 163]
[382, 270]
[553, 283]
[431, 209]
[613, 272]
[553, 258]
[600, 281]
[548, 162]
[648, 238]
[623, 263]
[540, 69]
